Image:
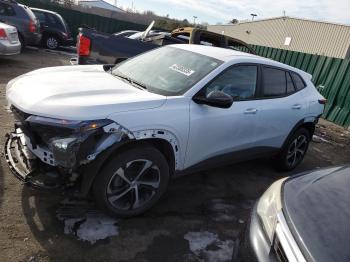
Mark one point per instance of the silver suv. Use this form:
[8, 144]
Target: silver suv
[21, 17]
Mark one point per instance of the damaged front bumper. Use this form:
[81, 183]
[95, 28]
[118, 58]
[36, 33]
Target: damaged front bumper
[60, 160]
[26, 166]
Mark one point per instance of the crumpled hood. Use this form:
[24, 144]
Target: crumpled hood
[77, 93]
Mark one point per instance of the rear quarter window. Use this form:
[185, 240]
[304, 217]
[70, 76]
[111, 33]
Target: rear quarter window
[298, 81]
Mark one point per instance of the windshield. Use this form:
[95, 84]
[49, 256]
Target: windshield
[167, 70]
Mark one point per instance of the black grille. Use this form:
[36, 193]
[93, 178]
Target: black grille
[280, 254]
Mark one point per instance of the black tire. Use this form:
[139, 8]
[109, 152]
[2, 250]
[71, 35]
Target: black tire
[51, 42]
[120, 175]
[22, 41]
[294, 150]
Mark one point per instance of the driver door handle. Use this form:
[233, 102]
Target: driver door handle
[296, 106]
[251, 111]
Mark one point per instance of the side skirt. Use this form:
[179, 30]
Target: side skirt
[230, 158]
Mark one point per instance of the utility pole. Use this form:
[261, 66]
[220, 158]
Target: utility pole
[194, 19]
[253, 15]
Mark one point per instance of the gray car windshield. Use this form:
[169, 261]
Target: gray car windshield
[167, 71]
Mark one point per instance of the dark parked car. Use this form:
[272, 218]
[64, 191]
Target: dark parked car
[54, 29]
[21, 17]
[100, 48]
[301, 218]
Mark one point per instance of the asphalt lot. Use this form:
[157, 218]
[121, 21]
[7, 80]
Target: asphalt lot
[199, 219]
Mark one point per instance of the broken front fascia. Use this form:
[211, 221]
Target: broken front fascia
[69, 152]
[69, 143]
[88, 139]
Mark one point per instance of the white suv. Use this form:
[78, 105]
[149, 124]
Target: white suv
[122, 132]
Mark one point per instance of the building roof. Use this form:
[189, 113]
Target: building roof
[108, 5]
[286, 17]
[294, 34]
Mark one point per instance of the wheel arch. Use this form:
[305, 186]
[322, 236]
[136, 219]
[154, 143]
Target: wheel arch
[307, 123]
[91, 170]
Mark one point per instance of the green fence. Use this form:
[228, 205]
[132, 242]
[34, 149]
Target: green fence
[331, 76]
[76, 19]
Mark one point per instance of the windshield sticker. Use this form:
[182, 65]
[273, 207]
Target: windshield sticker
[181, 69]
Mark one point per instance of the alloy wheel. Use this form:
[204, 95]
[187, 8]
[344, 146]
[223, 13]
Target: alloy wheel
[51, 43]
[133, 184]
[297, 150]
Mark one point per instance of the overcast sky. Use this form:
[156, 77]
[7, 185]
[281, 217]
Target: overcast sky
[214, 11]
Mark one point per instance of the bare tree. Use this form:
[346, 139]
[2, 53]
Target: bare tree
[234, 21]
[68, 3]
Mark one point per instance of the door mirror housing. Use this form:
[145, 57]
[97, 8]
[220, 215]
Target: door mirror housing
[215, 99]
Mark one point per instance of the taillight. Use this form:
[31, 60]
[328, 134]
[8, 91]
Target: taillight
[32, 26]
[84, 45]
[3, 34]
[322, 101]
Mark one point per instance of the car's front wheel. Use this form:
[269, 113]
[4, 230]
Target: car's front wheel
[132, 182]
[294, 150]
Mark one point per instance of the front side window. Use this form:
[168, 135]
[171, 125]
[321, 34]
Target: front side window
[274, 82]
[238, 82]
[167, 70]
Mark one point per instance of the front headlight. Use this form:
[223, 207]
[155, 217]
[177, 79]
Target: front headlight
[268, 207]
[65, 137]
[74, 125]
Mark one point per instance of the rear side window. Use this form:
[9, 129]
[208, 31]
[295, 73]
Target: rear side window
[274, 81]
[6, 10]
[299, 83]
[40, 16]
[54, 21]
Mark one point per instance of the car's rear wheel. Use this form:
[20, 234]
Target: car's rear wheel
[294, 150]
[132, 182]
[22, 41]
[51, 42]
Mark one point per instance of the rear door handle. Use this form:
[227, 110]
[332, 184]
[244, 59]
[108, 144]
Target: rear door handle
[251, 111]
[296, 106]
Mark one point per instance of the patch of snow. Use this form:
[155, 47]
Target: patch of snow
[208, 247]
[97, 228]
[82, 220]
[223, 253]
[223, 207]
[319, 139]
[69, 225]
[224, 218]
[200, 240]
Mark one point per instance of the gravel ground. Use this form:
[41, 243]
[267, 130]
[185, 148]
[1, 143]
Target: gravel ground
[199, 219]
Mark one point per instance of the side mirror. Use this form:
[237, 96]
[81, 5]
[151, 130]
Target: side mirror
[215, 99]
